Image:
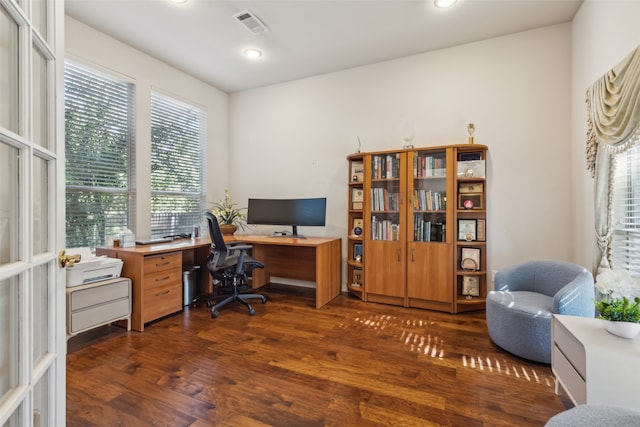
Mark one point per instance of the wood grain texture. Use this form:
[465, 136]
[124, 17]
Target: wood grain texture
[349, 363]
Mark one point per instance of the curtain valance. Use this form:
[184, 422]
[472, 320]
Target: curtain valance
[613, 109]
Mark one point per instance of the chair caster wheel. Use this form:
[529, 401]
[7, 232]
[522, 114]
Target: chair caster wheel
[252, 312]
[264, 300]
[214, 314]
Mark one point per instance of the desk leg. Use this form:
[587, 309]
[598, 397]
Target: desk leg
[260, 276]
[328, 274]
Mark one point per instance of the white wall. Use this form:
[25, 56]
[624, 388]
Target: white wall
[93, 48]
[604, 33]
[292, 139]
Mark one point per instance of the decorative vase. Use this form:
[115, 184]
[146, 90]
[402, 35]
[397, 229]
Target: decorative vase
[622, 329]
[228, 229]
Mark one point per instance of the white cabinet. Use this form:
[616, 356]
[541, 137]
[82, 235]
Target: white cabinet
[594, 366]
[97, 304]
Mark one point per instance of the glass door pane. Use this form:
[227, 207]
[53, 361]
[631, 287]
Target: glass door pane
[385, 197]
[40, 303]
[429, 196]
[41, 101]
[9, 72]
[39, 16]
[9, 335]
[40, 206]
[10, 217]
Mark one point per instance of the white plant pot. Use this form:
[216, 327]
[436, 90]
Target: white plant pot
[622, 329]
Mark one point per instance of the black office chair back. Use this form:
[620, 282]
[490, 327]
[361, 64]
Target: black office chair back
[219, 249]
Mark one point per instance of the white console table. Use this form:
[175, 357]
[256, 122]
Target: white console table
[97, 304]
[594, 366]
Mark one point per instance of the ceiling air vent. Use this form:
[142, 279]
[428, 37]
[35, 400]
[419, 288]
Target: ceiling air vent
[251, 22]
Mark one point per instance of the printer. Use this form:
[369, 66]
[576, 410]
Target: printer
[91, 268]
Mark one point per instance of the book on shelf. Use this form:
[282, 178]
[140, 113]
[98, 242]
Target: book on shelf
[384, 200]
[384, 229]
[427, 231]
[429, 166]
[427, 200]
[385, 166]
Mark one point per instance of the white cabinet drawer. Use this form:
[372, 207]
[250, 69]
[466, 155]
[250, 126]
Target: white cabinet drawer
[571, 347]
[87, 297]
[570, 379]
[99, 315]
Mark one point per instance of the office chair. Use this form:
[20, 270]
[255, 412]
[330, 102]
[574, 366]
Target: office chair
[230, 267]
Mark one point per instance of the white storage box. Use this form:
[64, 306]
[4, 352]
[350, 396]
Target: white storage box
[91, 268]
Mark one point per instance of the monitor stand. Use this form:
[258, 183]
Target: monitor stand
[294, 235]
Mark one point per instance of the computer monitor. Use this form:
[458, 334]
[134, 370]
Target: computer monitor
[290, 212]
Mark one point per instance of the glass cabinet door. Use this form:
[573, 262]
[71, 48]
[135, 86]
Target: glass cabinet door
[429, 196]
[429, 256]
[385, 226]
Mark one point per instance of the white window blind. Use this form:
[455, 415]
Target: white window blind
[177, 142]
[99, 140]
[626, 211]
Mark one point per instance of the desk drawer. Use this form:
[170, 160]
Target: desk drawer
[162, 262]
[162, 300]
[162, 279]
[99, 294]
[99, 315]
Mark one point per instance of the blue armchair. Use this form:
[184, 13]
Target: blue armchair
[526, 295]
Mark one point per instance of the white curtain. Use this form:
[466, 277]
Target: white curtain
[613, 126]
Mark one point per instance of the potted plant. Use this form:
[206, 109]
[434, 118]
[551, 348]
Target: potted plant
[229, 216]
[619, 306]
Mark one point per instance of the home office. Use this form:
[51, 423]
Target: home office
[524, 91]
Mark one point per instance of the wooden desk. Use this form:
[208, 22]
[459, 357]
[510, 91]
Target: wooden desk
[156, 270]
[316, 259]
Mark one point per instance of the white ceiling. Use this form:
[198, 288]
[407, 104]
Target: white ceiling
[305, 37]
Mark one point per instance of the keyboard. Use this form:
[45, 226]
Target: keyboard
[153, 241]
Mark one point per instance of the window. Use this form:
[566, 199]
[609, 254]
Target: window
[177, 193]
[99, 139]
[626, 211]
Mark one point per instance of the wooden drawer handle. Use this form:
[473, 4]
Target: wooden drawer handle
[162, 279]
[159, 294]
[163, 264]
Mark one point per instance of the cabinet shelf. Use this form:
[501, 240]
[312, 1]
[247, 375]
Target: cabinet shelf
[463, 300]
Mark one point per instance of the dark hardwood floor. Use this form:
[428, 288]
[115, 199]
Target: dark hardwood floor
[347, 364]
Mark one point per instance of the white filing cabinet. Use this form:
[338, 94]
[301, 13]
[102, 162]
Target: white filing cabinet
[97, 304]
[594, 366]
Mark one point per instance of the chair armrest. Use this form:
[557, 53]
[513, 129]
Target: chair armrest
[576, 297]
[238, 246]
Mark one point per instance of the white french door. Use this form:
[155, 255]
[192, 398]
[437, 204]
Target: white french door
[32, 286]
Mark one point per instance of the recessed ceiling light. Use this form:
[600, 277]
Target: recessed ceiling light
[252, 53]
[178, 1]
[444, 3]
